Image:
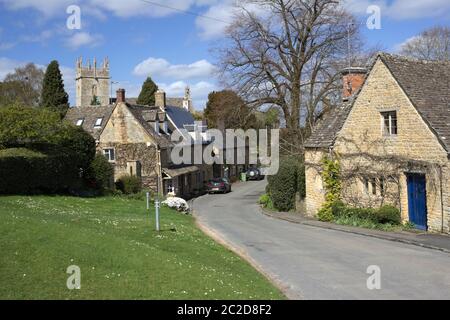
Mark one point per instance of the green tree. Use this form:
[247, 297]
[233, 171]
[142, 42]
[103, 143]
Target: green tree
[54, 97]
[226, 109]
[147, 95]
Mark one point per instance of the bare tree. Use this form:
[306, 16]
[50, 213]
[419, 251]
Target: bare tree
[287, 55]
[24, 85]
[431, 44]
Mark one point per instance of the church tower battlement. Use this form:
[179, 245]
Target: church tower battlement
[92, 83]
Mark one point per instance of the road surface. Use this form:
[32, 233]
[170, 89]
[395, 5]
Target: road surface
[315, 263]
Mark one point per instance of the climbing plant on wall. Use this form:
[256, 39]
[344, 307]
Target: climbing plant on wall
[331, 176]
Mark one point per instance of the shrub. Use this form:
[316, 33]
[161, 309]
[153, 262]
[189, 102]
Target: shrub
[301, 180]
[24, 171]
[283, 185]
[338, 208]
[100, 172]
[325, 214]
[388, 214]
[129, 184]
[265, 201]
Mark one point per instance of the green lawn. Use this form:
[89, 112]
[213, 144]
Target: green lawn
[120, 255]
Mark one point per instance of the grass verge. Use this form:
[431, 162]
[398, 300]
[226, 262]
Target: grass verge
[113, 241]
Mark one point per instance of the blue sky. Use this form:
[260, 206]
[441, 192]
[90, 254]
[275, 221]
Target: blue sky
[173, 47]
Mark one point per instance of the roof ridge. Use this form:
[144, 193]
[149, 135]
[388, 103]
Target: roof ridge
[410, 59]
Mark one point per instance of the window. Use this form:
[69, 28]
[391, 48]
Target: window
[80, 122]
[366, 184]
[389, 123]
[374, 186]
[98, 122]
[109, 154]
[382, 186]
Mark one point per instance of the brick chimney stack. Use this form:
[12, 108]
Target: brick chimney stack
[353, 79]
[120, 95]
[160, 99]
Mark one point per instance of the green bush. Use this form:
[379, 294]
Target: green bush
[283, 185]
[388, 214]
[129, 184]
[325, 214]
[301, 180]
[24, 171]
[384, 215]
[100, 172]
[265, 201]
[65, 152]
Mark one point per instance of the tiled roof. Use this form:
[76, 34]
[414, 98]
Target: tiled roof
[175, 102]
[327, 128]
[427, 84]
[180, 116]
[141, 114]
[90, 116]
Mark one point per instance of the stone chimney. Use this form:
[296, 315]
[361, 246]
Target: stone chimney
[160, 99]
[353, 79]
[120, 95]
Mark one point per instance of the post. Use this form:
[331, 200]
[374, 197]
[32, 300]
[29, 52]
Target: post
[148, 200]
[157, 206]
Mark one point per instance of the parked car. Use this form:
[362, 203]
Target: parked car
[254, 174]
[219, 185]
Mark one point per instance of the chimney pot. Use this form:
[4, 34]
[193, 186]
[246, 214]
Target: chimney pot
[120, 95]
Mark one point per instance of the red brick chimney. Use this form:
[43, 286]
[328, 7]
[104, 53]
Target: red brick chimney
[353, 79]
[120, 95]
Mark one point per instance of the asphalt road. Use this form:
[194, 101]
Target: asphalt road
[315, 263]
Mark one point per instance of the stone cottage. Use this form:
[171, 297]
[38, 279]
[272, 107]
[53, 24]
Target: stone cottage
[391, 136]
[136, 139]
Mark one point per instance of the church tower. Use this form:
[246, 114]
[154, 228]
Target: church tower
[92, 84]
[187, 100]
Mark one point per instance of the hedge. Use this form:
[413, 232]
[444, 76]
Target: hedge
[23, 171]
[284, 186]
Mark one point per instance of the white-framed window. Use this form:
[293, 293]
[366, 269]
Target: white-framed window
[157, 127]
[80, 122]
[389, 123]
[98, 122]
[110, 154]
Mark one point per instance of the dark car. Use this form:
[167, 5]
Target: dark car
[254, 174]
[219, 185]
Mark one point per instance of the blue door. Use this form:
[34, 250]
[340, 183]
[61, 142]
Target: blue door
[417, 200]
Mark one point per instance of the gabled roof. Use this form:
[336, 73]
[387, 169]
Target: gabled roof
[140, 113]
[427, 85]
[90, 116]
[180, 117]
[175, 102]
[332, 121]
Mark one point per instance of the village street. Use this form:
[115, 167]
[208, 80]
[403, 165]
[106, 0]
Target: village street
[316, 263]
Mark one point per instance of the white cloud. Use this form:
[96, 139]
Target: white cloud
[7, 66]
[163, 68]
[401, 9]
[199, 91]
[222, 15]
[81, 39]
[47, 7]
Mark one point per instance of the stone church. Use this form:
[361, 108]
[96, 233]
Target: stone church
[134, 138]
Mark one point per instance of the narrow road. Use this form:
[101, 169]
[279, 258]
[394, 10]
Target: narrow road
[315, 263]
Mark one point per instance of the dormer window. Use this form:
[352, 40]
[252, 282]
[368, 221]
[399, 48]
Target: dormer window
[80, 122]
[98, 123]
